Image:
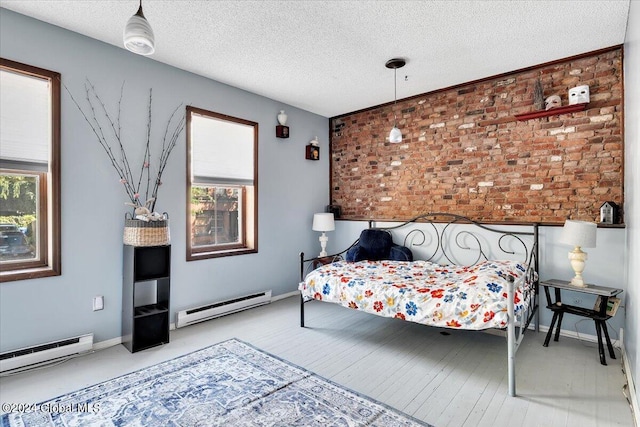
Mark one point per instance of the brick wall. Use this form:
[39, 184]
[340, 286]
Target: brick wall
[464, 152]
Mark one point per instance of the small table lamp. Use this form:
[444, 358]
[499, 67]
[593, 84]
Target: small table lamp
[579, 234]
[323, 222]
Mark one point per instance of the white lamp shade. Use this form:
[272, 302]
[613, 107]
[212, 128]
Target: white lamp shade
[323, 222]
[579, 233]
[395, 136]
[138, 36]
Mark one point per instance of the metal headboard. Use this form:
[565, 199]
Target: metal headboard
[442, 232]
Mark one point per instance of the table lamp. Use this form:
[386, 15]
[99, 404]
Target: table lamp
[323, 222]
[579, 234]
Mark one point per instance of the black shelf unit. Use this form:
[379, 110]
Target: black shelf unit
[145, 325]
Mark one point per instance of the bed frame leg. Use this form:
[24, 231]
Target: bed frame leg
[301, 297]
[511, 339]
[301, 311]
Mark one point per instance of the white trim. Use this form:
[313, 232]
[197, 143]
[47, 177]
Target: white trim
[287, 295]
[106, 344]
[575, 335]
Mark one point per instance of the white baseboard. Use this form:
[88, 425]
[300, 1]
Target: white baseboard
[582, 337]
[106, 344]
[287, 295]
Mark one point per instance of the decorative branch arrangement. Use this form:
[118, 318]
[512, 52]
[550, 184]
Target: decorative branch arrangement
[109, 135]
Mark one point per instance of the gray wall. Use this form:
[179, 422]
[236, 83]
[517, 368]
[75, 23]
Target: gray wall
[632, 187]
[291, 189]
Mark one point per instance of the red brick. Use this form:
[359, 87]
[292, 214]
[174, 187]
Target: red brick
[442, 166]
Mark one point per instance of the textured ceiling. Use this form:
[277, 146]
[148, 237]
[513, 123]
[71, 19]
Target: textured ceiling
[328, 57]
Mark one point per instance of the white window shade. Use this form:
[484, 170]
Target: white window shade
[222, 151]
[25, 121]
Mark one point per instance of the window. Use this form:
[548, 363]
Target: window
[29, 172]
[222, 181]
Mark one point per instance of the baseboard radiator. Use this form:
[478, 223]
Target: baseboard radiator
[217, 309]
[44, 353]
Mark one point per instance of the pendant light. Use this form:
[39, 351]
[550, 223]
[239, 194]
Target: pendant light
[395, 136]
[138, 34]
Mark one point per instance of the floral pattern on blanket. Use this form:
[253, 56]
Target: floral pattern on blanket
[464, 297]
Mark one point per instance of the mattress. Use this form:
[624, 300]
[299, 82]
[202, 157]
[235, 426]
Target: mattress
[462, 297]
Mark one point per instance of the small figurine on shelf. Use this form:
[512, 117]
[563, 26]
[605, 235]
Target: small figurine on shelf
[552, 102]
[538, 96]
[312, 152]
[608, 213]
[579, 95]
[282, 131]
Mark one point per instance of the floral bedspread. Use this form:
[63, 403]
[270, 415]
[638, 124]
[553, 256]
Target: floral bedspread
[464, 297]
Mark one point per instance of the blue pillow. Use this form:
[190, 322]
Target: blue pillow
[400, 253]
[376, 243]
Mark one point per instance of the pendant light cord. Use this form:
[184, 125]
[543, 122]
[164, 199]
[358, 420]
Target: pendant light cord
[395, 93]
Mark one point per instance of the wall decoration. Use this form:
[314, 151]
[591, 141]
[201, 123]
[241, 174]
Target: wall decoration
[579, 95]
[312, 152]
[552, 102]
[282, 131]
[538, 95]
[144, 185]
[608, 213]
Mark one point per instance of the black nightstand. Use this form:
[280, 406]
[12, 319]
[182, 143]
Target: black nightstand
[599, 316]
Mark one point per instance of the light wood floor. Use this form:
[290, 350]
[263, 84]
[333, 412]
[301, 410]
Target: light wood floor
[457, 379]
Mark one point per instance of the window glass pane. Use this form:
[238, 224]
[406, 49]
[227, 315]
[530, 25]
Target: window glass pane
[216, 215]
[19, 195]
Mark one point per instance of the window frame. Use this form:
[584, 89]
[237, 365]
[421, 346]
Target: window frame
[249, 208]
[49, 262]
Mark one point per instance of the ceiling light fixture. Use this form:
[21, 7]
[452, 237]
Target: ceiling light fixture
[395, 136]
[138, 34]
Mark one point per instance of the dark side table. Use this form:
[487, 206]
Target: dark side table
[598, 315]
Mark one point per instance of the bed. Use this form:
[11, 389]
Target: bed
[466, 275]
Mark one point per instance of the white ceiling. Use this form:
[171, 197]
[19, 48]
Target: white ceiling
[328, 57]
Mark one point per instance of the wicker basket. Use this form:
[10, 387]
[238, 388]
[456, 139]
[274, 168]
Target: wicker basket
[146, 233]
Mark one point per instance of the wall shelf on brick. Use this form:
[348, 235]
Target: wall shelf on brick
[552, 112]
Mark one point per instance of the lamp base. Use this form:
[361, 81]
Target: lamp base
[577, 258]
[323, 244]
[578, 282]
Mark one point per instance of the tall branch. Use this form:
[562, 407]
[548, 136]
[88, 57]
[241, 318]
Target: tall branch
[122, 165]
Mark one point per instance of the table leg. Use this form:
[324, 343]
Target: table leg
[603, 325]
[553, 322]
[603, 360]
[557, 335]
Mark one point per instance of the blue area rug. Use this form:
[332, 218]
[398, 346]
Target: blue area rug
[227, 384]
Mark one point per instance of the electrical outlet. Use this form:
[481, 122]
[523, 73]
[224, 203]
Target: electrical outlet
[98, 303]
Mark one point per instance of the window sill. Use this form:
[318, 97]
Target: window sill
[195, 256]
[28, 273]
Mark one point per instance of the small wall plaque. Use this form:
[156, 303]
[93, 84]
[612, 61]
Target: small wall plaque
[282, 131]
[312, 152]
